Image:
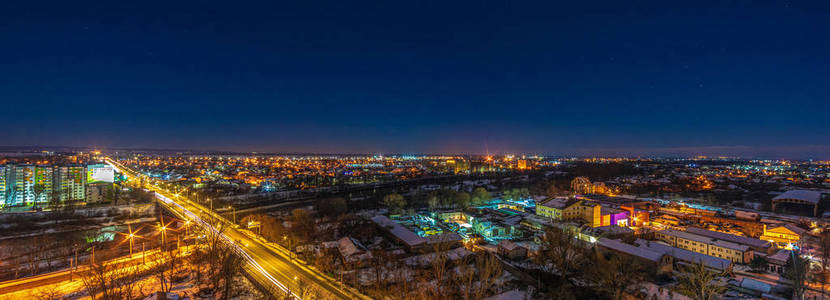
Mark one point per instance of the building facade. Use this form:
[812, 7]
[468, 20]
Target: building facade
[70, 183]
[3, 175]
[22, 185]
[42, 190]
[783, 236]
[705, 245]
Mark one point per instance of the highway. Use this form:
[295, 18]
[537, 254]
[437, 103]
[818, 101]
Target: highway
[267, 264]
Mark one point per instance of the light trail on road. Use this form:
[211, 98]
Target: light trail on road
[270, 265]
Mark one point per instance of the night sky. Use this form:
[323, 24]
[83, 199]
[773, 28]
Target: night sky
[603, 77]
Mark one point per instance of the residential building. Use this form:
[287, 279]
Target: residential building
[70, 183]
[3, 182]
[96, 192]
[22, 185]
[685, 256]
[756, 244]
[43, 182]
[705, 245]
[553, 208]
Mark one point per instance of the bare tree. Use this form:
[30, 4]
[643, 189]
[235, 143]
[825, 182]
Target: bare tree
[699, 283]
[562, 251]
[35, 251]
[466, 277]
[797, 270]
[163, 270]
[231, 267]
[52, 292]
[615, 275]
[38, 190]
[824, 248]
[380, 268]
[489, 270]
[439, 264]
[217, 265]
[108, 281]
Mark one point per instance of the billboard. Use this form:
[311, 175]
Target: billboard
[99, 173]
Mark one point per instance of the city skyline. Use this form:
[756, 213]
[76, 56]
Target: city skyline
[646, 79]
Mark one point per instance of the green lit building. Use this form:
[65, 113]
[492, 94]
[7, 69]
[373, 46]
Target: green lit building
[70, 183]
[3, 188]
[44, 176]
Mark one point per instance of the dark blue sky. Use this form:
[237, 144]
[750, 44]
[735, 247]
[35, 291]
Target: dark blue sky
[608, 77]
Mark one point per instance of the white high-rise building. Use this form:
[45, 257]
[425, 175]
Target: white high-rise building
[3, 176]
[22, 185]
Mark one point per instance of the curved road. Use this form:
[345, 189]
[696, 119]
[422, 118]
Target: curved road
[266, 263]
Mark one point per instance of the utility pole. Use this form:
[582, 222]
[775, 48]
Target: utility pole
[73, 264]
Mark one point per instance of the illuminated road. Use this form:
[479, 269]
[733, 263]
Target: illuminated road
[32, 282]
[266, 263]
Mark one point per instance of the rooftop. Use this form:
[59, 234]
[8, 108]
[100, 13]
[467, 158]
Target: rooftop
[403, 234]
[630, 249]
[743, 240]
[802, 195]
[560, 202]
[705, 239]
[685, 255]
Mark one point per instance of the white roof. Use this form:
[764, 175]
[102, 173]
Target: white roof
[744, 240]
[704, 239]
[755, 285]
[803, 195]
[780, 256]
[510, 295]
[630, 249]
[685, 255]
[558, 202]
[347, 247]
[403, 234]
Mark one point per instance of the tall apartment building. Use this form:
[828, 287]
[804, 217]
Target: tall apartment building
[22, 185]
[44, 176]
[3, 176]
[70, 183]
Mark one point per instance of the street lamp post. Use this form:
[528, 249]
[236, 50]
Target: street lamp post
[233, 212]
[131, 245]
[163, 230]
[290, 253]
[74, 262]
